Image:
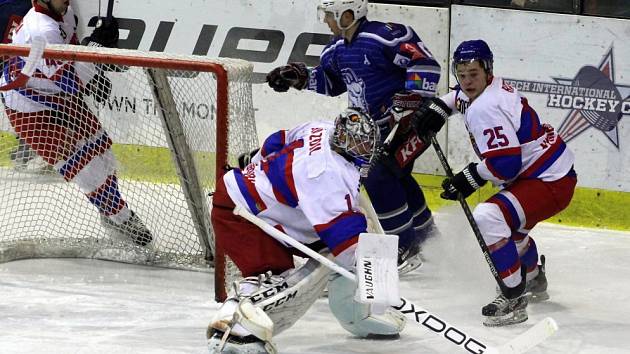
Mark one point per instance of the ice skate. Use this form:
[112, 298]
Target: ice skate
[133, 229]
[26, 159]
[503, 311]
[218, 342]
[536, 288]
[409, 259]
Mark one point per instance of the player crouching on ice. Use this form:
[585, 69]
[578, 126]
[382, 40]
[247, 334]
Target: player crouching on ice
[305, 182]
[528, 160]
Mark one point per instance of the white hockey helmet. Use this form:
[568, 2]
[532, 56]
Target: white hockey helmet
[338, 7]
[357, 138]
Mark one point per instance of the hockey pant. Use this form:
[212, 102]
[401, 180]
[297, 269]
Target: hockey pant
[250, 248]
[73, 141]
[400, 204]
[506, 219]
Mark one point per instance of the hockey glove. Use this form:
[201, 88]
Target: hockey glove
[293, 75]
[465, 182]
[430, 117]
[245, 158]
[105, 33]
[404, 104]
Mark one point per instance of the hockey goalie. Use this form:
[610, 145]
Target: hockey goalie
[304, 182]
[51, 113]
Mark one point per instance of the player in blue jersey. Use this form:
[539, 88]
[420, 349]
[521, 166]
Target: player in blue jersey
[531, 163]
[380, 66]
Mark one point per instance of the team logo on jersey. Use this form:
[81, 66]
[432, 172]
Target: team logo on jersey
[593, 98]
[412, 50]
[356, 89]
[366, 61]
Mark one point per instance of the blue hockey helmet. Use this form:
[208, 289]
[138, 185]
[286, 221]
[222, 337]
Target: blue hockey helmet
[469, 51]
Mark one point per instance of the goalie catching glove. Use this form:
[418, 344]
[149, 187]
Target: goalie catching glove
[430, 117]
[465, 182]
[293, 75]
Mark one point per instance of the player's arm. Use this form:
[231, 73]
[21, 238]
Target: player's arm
[322, 79]
[499, 151]
[333, 211]
[105, 34]
[406, 50]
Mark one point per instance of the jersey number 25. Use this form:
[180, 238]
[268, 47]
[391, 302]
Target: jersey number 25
[496, 138]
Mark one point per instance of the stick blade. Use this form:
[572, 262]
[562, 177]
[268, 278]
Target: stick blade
[530, 338]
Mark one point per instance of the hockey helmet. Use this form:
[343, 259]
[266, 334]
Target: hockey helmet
[357, 138]
[473, 50]
[338, 7]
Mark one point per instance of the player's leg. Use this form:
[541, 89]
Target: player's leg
[389, 198]
[510, 306]
[536, 279]
[518, 207]
[271, 284]
[358, 318]
[423, 224]
[72, 140]
[558, 195]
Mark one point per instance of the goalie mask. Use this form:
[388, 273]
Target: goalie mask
[357, 138]
[337, 7]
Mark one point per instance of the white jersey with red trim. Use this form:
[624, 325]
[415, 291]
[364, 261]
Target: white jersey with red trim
[298, 184]
[52, 78]
[509, 137]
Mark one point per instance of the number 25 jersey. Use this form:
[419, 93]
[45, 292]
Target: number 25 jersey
[508, 136]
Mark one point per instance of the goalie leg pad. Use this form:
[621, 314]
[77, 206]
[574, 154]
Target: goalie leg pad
[284, 299]
[289, 299]
[358, 318]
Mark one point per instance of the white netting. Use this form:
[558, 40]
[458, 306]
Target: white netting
[164, 157]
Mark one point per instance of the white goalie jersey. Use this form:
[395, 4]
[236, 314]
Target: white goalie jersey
[299, 185]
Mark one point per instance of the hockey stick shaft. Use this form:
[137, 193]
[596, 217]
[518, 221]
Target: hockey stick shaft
[412, 312]
[469, 215]
[110, 9]
[281, 236]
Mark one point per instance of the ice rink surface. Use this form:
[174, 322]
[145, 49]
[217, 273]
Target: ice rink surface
[87, 306]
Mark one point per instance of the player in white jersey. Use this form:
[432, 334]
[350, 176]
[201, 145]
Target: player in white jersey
[527, 159]
[305, 182]
[52, 114]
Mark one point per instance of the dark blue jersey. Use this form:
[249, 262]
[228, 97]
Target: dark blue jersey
[380, 60]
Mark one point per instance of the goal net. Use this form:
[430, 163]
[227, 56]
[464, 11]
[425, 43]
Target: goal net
[111, 154]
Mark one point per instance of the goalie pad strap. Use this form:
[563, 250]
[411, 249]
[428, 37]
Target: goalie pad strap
[286, 301]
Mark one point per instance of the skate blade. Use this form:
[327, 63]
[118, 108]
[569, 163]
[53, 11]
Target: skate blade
[538, 297]
[515, 317]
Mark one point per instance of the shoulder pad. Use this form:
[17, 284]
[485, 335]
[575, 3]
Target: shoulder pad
[388, 31]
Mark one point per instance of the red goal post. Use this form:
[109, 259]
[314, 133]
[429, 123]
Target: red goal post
[175, 122]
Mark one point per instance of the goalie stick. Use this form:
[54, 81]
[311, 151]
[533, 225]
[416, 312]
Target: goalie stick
[417, 314]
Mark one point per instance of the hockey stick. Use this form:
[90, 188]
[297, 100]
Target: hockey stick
[469, 216]
[110, 9]
[38, 45]
[421, 317]
[414, 313]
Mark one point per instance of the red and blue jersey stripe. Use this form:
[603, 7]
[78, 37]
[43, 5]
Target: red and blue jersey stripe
[335, 233]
